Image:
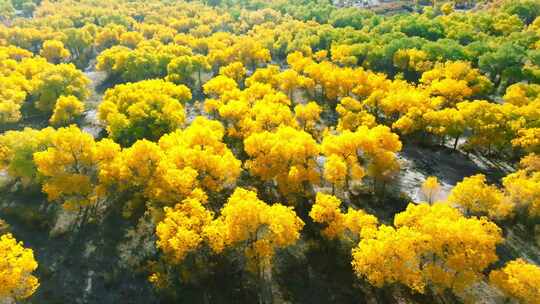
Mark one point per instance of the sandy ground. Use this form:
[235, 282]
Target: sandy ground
[450, 167]
[90, 121]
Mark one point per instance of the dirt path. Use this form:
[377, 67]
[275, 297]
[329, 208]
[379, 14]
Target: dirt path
[90, 122]
[450, 167]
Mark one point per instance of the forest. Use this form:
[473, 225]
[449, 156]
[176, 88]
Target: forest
[270, 151]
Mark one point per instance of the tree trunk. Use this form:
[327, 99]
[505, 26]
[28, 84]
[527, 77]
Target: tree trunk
[199, 79]
[265, 286]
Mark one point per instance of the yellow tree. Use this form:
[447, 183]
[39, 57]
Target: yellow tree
[286, 156]
[430, 189]
[131, 39]
[456, 81]
[290, 81]
[519, 280]
[353, 155]
[181, 230]
[16, 153]
[528, 140]
[486, 123]
[54, 51]
[234, 70]
[200, 64]
[343, 163]
[184, 69]
[447, 8]
[401, 103]
[521, 94]
[181, 237]
[334, 82]
[13, 93]
[267, 75]
[308, 116]
[133, 172]
[343, 54]
[250, 52]
[19, 72]
[181, 70]
[68, 109]
[412, 60]
[391, 256]
[352, 114]
[446, 122]
[218, 85]
[400, 99]
[257, 108]
[298, 61]
[431, 247]
[58, 80]
[17, 264]
[9, 112]
[523, 186]
[113, 60]
[146, 109]
[181, 165]
[198, 148]
[268, 114]
[255, 228]
[109, 36]
[338, 224]
[70, 169]
[475, 196]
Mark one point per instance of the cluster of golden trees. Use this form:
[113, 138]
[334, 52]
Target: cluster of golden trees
[32, 83]
[233, 128]
[519, 195]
